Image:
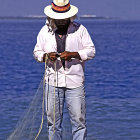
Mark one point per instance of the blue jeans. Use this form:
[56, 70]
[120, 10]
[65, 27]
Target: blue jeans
[75, 101]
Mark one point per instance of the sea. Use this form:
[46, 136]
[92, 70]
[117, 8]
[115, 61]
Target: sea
[112, 78]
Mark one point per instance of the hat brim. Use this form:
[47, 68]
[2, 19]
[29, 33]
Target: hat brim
[52, 14]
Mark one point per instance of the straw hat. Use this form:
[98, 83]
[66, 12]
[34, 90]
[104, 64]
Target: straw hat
[60, 9]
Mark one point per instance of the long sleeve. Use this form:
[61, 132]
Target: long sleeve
[38, 50]
[88, 51]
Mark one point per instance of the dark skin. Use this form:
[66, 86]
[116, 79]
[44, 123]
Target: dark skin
[62, 26]
[65, 55]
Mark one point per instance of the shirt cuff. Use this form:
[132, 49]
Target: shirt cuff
[83, 55]
[39, 57]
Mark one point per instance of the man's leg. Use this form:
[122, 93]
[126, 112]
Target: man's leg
[54, 98]
[75, 99]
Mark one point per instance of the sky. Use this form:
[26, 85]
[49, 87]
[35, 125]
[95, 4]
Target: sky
[126, 9]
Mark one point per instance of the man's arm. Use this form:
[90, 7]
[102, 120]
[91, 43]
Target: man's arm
[38, 52]
[88, 50]
[69, 55]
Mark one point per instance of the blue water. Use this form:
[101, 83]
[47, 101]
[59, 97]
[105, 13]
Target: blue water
[112, 77]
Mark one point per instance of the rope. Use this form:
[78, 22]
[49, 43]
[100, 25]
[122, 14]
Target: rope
[41, 125]
[54, 100]
[42, 121]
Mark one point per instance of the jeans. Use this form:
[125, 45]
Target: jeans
[75, 101]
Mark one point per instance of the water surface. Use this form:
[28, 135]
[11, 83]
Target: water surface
[112, 77]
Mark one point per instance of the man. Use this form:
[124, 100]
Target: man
[65, 45]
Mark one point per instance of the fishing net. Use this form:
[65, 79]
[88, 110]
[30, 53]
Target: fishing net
[33, 124]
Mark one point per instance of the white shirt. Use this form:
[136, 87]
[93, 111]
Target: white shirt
[73, 74]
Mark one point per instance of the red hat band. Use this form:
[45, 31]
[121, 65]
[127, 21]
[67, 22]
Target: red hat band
[60, 9]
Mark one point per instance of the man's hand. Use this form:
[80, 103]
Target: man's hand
[68, 55]
[52, 56]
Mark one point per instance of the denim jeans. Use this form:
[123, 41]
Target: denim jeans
[75, 101]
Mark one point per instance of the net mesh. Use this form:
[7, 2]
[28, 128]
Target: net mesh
[29, 124]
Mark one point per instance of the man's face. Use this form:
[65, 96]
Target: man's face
[61, 23]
